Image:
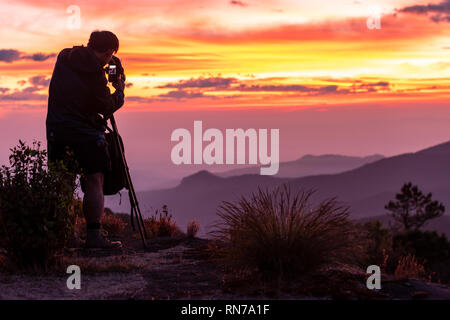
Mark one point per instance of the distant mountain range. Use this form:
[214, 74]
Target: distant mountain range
[309, 165]
[365, 189]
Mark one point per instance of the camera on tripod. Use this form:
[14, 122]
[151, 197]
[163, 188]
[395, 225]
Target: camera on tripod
[115, 70]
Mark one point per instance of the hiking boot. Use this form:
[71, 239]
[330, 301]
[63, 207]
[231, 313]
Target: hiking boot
[95, 239]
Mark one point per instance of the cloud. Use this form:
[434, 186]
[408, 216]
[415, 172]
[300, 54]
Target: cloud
[233, 84]
[238, 3]
[180, 94]
[437, 12]
[213, 82]
[11, 55]
[37, 83]
[279, 88]
[203, 86]
[306, 90]
[210, 88]
[22, 96]
[39, 56]
[141, 99]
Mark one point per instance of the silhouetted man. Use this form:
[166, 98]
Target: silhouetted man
[79, 101]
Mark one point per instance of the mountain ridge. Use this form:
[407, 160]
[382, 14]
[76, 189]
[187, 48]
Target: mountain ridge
[309, 165]
[365, 189]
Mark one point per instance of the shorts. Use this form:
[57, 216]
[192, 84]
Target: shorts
[90, 157]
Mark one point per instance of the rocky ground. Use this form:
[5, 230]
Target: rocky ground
[179, 268]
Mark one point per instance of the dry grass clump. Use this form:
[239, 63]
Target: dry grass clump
[113, 224]
[409, 267]
[282, 235]
[161, 224]
[192, 228]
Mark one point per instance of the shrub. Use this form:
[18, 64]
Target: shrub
[192, 228]
[281, 235]
[36, 206]
[112, 223]
[161, 224]
[409, 267]
[377, 243]
[426, 246]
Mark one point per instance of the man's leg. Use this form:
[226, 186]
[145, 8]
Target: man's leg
[93, 207]
[93, 202]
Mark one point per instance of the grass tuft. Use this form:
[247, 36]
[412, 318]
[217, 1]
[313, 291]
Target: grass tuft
[282, 235]
[192, 228]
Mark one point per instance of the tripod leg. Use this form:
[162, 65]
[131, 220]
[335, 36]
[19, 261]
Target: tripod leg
[141, 227]
[131, 213]
[139, 216]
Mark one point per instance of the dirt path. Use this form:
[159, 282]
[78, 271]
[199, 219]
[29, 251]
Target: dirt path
[166, 273]
[172, 269]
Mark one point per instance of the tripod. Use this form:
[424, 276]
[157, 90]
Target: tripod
[135, 213]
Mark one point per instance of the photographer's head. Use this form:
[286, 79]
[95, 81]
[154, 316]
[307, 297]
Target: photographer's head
[104, 44]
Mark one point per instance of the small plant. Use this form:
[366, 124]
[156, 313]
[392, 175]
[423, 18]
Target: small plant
[161, 224]
[409, 267]
[281, 235]
[427, 246]
[36, 206]
[377, 243]
[112, 224]
[78, 207]
[92, 266]
[192, 228]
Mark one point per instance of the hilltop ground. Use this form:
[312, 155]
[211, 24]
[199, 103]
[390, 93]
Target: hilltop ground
[179, 268]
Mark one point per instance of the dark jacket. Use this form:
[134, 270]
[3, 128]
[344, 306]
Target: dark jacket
[78, 93]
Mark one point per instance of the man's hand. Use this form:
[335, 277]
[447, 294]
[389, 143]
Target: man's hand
[119, 85]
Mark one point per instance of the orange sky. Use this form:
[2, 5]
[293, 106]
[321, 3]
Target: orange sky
[210, 54]
[311, 68]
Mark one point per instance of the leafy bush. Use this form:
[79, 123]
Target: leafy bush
[426, 246]
[36, 206]
[377, 243]
[161, 224]
[281, 235]
[192, 228]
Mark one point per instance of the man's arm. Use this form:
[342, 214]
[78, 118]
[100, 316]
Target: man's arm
[104, 102]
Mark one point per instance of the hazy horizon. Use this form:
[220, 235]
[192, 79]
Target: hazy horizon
[326, 79]
[308, 131]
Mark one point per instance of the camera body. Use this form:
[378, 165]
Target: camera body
[114, 70]
[112, 73]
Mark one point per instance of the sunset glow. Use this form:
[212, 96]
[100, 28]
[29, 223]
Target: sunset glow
[199, 54]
